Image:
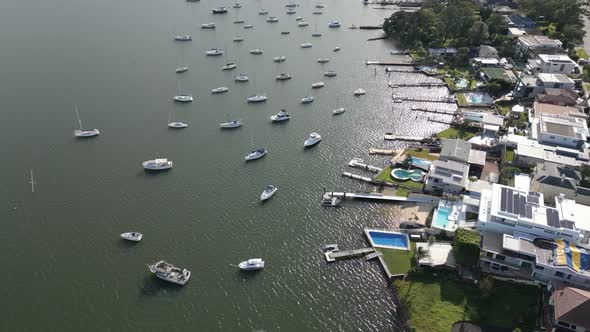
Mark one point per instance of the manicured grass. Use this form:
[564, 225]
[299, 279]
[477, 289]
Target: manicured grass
[385, 175]
[435, 303]
[420, 154]
[509, 157]
[582, 54]
[461, 99]
[461, 132]
[473, 85]
[402, 192]
[399, 261]
[504, 107]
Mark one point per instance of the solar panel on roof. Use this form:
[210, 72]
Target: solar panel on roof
[532, 199]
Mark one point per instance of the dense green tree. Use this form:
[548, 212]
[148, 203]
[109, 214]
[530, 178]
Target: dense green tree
[478, 32]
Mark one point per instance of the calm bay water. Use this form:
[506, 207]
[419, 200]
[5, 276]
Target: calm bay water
[65, 267]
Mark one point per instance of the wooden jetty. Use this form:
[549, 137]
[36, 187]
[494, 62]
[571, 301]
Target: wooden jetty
[359, 163]
[393, 70]
[365, 179]
[391, 137]
[388, 198]
[383, 152]
[373, 255]
[371, 27]
[397, 63]
[427, 110]
[332, 256]
[430, 100]
[408, 85]
[441, 121]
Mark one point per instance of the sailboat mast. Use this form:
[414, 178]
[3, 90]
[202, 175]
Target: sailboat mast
[78, 116]
[32, 182]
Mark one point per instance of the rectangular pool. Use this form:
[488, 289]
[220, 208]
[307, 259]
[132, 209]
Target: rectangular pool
[387, 239]
[442, 217]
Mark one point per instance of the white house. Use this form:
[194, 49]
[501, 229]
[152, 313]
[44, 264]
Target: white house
[531, 86]
[531, 46]
[562, 130]
[448, 176]
[555, 64]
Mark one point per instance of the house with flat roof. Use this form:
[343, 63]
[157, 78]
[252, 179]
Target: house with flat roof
[553, 64]
[531, 46]
[562, 130]
[448, 176]
[509, 210]
[571, 307]
[519, 21]
[529, 86]
[461, 151]
[553, 180]
[560, 97]
[516, 32]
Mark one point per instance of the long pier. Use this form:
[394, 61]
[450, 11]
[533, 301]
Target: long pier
[391, 137]
[332, 256]
[359, 163]
[388, 198]
[408, 85]
[427, 110]
[393, 70]
[441, 121]
[383, 152]
[380, 63]
[430, 100]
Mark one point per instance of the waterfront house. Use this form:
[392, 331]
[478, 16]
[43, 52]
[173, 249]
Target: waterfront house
[461, 151]
[447, 176]
[560, 97]
[529, 152]
[569, 308]
[553, 64]
[519, 21]
[531, 46]
[501, 74]
[441, 52]
[529, 86]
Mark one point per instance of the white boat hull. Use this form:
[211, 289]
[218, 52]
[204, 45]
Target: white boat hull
[132, 236]
[267, 195]
[86, 133]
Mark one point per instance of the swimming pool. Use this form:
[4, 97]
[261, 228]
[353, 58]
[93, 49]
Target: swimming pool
[422, 163]
[404, 174]
[386, 239]
[442, 217]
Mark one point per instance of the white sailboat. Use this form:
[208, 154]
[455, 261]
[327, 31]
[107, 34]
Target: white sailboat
[84, 133]
[228, 65]
[172, 123]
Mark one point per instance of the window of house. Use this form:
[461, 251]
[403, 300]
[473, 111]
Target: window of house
[527, 265]
[500, 257]
[503, 268]
[569, 276]
[489, 255]
[539, 267]
[559, 274]
[562, 67]
[436, 180]
[552, 137]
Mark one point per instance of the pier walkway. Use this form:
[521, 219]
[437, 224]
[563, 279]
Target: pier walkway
[397, 63]
[332, 256]
[359, 163]
[391, 137]
[384, 152]
[408, 85]
[427, 110]
[388, 198]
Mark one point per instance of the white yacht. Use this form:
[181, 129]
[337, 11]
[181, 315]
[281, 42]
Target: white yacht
[302, 24]
[256, 98]
[160, 164]
[339, 110]
[306, 99]
[330, 73]
[256, 51]
[284, 77]
[229, 66]
[262, 12]
[272, 19]
[183, 37]
[279, 58]
[214, 52]
[239, 21]
[170, 273]
[208, 25]
[256, 154]
[183, 98]
[318, 85]
[177, 125]
[238, 39]
[84, 133]
[280, 117]
[334, 24]
[230, 124]
[306, 45]
[268, 192]
[299, 18]
[323, 59]
[291, 12]
[241, 78]
[221, 89]
[316, 34]
[359, 92]
[219, 10]
[132, 236]
[313, 139]
[237, 5]
[336, 49]
[252, 264]
[181, 69]
[248, 26]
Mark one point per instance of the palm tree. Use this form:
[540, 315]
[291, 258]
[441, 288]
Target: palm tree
[419, 254]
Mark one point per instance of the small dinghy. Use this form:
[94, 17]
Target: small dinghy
[177, 125]
[210, 25]
[231, 124]
[323, 59]
[306, 99]
[256, 98]
[256, 51]
[263, 12]
[239, 21]
[338, 111]
[336, 49]
[221, 89]
[272, 19]
[238, 39]
[181, 69]
[359, 92]
[279, 58]
[302, 24]
[183, 98]
[248, 26]
[285, 32]
[183, 37]
[132, 236]
[284, 77]
[229, 66]
[268, 192]
[299, 18]
[241, 78]
[330, 73]
[252, 264]
[334, 24]
[306, 45]
[214, 52]
[318, 85]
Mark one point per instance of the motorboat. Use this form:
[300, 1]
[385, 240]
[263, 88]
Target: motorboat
[238, 39]
[170, 273]
[323, 60]
[330, 73]
[177, 125]
[221, 89]
[319, 6]
[181, 69]
[256, 51]
[330, 200]
[256, 98]
[284, 77]
[285, 32]
[263, 12]
[291, 12]
[84, 133]
[219, 10]
[237, 5]
[280, 117]
[256, 154]
[291, 5]
[316, 34]
[208, 25]
[132, 236]
[336, 49]
[339, 111]
[313, 139]
[160, 164]
[318, 85]
[306, 99]
[359, 92]
[279, 58]
[268, 192]
[299, 18]
[241, 78]
[334, 24]
[302, 24]
[183, 37]
[272, 19]
[252, 264]
[239, 21]
[183, 98]
[248, 26]
[317, 12]
[306, 45]
[214, 52]
[229, 66]
[230, 124]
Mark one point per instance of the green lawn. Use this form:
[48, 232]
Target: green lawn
[420, 154]
[509, 157]
[582, 54]
[461, 99]
[385, 175]
[504, 107]
[436, 302]
[399, 261]
[462, 132]
[402, 192]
